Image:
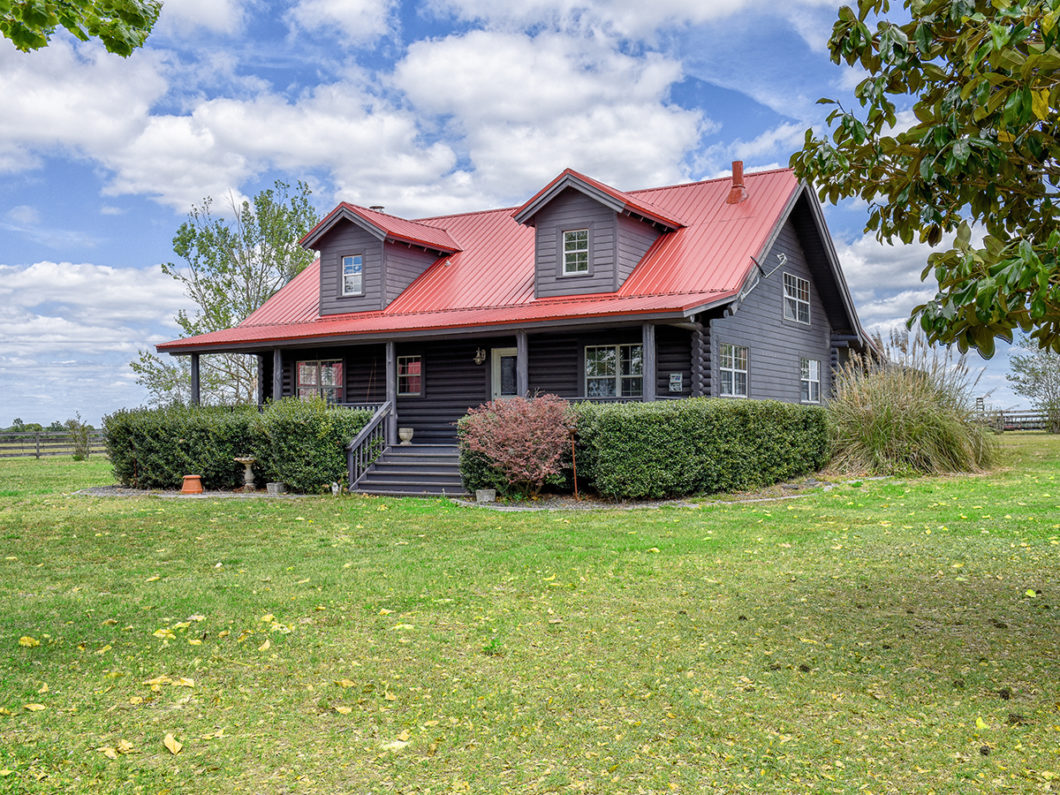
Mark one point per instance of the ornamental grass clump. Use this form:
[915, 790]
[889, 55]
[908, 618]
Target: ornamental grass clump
[522, 440]
[908, 412]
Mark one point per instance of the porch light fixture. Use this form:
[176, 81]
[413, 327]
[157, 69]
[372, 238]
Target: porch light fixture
[480, 355]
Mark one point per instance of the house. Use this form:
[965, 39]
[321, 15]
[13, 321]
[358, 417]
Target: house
[727, 287]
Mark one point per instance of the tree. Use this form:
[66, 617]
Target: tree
[1035, 374]
[979, 148]
[122, 25]
[229, 269]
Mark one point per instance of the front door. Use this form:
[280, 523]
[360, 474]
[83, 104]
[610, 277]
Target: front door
[503, 381]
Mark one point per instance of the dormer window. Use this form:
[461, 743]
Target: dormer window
[575, 252]
[353, 274]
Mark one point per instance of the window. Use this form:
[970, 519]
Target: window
[733, 368]
[575, 252]
[410, 375]
[811, 380]
[320, 378]
[796, 298]
[353, 275]
[614, 370]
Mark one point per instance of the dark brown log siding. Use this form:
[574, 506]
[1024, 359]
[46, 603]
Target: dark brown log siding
[347, 238]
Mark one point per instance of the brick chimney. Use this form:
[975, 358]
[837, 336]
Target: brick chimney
[738, 192]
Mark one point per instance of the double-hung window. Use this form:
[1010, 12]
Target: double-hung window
[732, 368]
[410, 375]
[614, 371]
[796, 298]
[811, 380]
[320, 378]
[575, 252]
[353, 274]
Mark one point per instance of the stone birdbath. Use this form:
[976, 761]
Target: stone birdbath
[248, 474]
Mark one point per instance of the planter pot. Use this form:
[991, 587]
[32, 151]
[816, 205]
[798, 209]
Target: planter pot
[485, 495]
[405, 435]
[192, 484]
[276, 488]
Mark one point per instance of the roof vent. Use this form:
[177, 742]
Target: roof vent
[738, 192]
[377, 207]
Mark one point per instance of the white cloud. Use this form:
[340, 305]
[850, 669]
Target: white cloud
[524, 107]
[181, 17]
[357, 21]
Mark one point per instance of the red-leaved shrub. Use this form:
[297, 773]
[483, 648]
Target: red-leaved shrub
[524, 438]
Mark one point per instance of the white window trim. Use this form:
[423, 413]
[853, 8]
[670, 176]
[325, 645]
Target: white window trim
[342, 274]
[339, 389]
[799, 280]
[398, 376]
[734, 370]
[810, 380]
[618, 377]
[563, 272]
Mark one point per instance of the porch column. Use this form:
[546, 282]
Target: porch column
[261, 379]
[522, 364]
[391, 393]
[277, 374]
[195, 379]
[700, 371]
[647, 340]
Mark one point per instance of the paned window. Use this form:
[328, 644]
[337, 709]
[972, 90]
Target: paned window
[796, 298]
[733, 370]
[410, 375]
[353, 274]
[614, 370]
[575, 252]
[811, 380]
[320, 378]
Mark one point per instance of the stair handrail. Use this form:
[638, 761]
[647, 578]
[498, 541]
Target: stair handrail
[366, 447]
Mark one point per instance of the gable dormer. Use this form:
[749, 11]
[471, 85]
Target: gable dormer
[367, 257]
[588, 236]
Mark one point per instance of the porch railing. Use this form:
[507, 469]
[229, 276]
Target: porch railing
[358, 406]
[368, 445]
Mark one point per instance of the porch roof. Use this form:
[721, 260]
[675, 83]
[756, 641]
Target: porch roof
[489, 281]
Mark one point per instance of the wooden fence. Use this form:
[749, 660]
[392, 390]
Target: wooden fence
[37, 444]
[1033, 420]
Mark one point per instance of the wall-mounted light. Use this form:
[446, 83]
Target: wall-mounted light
[480, 355]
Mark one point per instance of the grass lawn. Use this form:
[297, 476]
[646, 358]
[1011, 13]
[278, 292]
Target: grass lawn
[884, 636]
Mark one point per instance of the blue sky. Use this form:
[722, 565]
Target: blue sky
[426, 108]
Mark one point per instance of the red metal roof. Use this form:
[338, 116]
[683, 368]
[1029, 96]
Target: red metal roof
[489, 281]
[391, 226]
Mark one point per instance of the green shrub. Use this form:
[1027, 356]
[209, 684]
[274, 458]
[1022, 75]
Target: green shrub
[910, 412]
[303, 442]
[681, 447]
[697, 446]
[155, 448]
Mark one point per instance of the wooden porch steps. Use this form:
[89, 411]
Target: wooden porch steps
[418, 469]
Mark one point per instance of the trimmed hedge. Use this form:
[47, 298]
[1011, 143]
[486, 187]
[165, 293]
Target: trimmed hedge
[299, 442]
[674, 448]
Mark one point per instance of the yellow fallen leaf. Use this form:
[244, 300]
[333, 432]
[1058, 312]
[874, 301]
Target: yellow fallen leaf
[156, 578]
[389, 696]
[105, 649]
[172, 743]
[345, 682]
[35, 707]
[5, 773]
[110, 753]
[159, 680]
[268, 618]
[134, 700]
[223, 633]
[404, 736]
[110, 622]
[194, 642]
[344, 710]
[184, 682]
[125, 747]
[164, 633]
[28, 642]
[384, 612]
[43, 688]
[402, 626]
[181, 625]
[4, 711]
[265, 646]
[981, 724]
